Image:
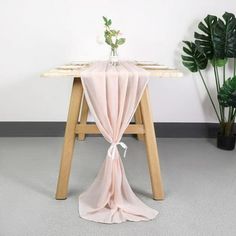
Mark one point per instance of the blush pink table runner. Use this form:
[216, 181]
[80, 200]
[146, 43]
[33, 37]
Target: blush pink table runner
[113, 94]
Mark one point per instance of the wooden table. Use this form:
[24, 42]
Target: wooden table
[77, 125]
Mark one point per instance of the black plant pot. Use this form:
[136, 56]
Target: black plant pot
[226, 142]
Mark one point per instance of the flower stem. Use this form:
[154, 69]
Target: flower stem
[234, 66]
[233, 115]
[217, 79]
[224, 73]
[230, 114]
[209, 95]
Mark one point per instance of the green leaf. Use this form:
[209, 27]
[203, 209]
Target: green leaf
[224, 37]
[227, 93]
[121, 41]
[109, 22]
[205, 41]
[108, 41]
[113, 32]
[105, 19]
[195, 59]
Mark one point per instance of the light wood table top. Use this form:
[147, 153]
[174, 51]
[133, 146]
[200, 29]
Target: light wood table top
[74, 70]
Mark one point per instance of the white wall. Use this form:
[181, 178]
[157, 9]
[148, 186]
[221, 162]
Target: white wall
[38, 35]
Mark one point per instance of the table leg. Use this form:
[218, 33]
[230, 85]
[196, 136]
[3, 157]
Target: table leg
[138, 120]
[83, 117]
[151, 147]
[69, 139]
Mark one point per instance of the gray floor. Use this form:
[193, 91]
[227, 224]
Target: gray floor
[200, 186]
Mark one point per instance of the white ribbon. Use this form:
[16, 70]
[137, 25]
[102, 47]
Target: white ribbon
[112, 148]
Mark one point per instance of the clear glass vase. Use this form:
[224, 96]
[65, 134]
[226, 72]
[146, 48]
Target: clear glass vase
[114, 60]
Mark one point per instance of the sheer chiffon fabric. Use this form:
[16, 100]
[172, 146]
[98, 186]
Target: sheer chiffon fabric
[113, 94]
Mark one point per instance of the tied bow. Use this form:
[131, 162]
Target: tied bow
[112, 148]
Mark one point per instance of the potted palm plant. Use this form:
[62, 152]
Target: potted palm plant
[215, 46]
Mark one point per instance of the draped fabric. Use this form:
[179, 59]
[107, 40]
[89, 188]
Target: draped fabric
[113, 94]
